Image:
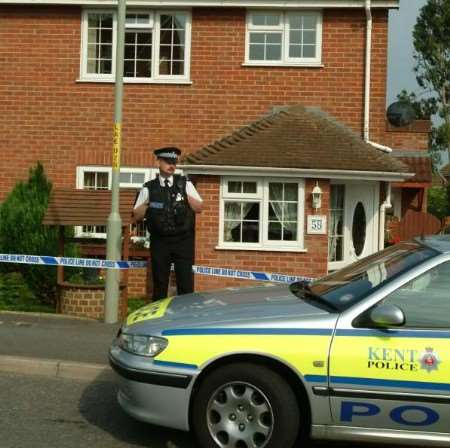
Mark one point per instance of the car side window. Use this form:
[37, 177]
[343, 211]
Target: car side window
[425, 300]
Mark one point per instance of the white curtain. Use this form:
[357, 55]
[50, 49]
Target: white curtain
[336, 201]
[235, 212]
[289, 220]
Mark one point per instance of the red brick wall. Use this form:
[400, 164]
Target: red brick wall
[412, 137]
[137, 283]
[47, 115]
[87, 301]
[312, 263]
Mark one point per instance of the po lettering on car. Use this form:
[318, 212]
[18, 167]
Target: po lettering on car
[410, 415]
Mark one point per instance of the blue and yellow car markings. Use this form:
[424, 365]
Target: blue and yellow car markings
[186, 352]
[153, 310]
[297, 347]
[423, 334]
[246, 331]
[178, 365]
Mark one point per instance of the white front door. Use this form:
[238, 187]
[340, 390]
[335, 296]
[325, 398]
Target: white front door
[360, 223]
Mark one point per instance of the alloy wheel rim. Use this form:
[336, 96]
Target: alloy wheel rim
[239, 415]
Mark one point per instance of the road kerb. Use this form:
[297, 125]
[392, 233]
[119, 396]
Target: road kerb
[55, 368]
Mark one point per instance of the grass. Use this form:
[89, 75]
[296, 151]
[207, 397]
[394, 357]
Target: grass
[28, 308]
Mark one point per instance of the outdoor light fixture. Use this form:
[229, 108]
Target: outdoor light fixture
[316, 197]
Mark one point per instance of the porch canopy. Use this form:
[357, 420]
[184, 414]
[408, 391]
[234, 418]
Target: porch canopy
[70, 207]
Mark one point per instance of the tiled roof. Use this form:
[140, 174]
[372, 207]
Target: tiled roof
[296, 137]
[418, 163]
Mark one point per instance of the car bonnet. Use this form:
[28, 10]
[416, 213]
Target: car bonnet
[231, 305]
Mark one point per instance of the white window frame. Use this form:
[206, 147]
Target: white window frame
[149, 173]
[154, 25]
[284, 28]
[187, 47]
[84, 75]
[334, 265]
[262, 197]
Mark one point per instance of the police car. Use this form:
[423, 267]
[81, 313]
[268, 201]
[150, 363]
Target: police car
[362, 354]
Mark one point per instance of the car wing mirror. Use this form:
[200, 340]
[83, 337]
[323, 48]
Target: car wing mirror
[386, 315]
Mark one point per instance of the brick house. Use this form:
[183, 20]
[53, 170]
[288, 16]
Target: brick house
[268, 99]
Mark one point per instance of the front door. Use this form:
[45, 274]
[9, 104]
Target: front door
[353, 230]
[361, 223]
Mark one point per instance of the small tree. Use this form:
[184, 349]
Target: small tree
[432, 54]
[439, 202]
[22, 232]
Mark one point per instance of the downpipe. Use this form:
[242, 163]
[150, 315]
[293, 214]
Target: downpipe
[368, 64]
[367, 78]
[384, 206]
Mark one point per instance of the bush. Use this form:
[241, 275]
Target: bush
[15, 295]
[135, 303]
[439, 202]
[84, 276]
[22, 232]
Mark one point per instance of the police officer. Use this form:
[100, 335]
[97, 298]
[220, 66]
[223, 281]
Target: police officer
[168, 204]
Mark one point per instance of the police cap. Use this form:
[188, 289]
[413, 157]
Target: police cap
[170, 153]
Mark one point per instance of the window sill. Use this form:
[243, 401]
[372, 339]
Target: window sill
[284, 64]
[262, 248]
[136, 81]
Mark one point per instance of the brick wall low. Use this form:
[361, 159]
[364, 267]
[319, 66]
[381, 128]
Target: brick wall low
[86, 301]
[137, 283]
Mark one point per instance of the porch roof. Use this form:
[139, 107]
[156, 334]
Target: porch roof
[69, 207]
[418, 162]
[299, 138]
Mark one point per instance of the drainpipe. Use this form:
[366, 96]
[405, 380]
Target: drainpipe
[368, 8]
[387, 202]
[385, 205]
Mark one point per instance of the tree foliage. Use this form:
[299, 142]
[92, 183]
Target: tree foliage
[22, 232]
[432, 54]
[439, 201]
[424, 109]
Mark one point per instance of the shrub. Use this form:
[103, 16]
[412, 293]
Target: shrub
[439, 201]
[22, 232]
[134, 303]
[15, 293]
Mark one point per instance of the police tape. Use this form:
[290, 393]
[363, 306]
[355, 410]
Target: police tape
[70, 261]
[248, 275]
[111, 264]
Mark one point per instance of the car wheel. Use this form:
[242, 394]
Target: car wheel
[245, 406]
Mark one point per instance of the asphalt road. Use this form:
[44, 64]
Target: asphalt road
[43, 412]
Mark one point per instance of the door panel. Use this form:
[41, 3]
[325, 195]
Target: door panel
[381, 379]
[359, 237]
[397, 378]
[361, 222]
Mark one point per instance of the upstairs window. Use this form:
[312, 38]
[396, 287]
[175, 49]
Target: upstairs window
[284, 38]
[157, 46]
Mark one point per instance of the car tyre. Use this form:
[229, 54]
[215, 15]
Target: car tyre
[244, 405]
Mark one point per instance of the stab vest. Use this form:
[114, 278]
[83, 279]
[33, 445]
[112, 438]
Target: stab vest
[168, 213]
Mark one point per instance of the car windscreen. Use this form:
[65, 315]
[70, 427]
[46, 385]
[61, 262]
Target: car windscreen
[345, 287]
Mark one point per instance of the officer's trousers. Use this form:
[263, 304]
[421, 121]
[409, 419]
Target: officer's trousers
[164, 251]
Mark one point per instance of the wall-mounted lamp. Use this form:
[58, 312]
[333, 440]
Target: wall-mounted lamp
[316, 197]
